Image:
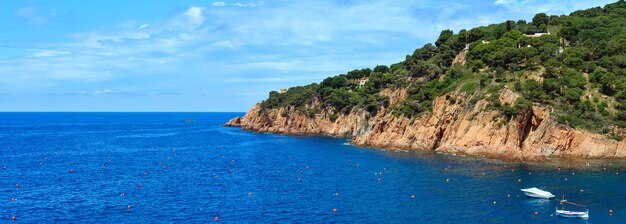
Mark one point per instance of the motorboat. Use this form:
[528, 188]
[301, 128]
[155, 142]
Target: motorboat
[537, 193]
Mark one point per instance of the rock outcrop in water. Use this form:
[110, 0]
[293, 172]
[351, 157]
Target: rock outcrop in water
[461, 127]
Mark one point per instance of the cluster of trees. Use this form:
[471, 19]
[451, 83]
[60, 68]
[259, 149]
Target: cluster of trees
[580, 70]
[340, 93]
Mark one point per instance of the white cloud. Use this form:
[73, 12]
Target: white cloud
[194, 15]
[249, 4]
[48, 53]
[509, 2]
[218, 4]
[143, 26]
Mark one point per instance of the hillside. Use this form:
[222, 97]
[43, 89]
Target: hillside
[554, 86]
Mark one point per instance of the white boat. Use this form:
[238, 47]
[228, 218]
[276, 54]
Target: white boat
[537, 193]
[572, 214]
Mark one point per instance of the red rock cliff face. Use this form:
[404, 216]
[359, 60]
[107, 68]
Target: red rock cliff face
[452, 127]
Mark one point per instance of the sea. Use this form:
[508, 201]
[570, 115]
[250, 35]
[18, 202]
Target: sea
[187, 168]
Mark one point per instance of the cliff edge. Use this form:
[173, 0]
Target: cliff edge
[461, 127]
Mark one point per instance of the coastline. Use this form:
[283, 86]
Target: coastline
[459, 128]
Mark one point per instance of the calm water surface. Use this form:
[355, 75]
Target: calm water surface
[89, 167]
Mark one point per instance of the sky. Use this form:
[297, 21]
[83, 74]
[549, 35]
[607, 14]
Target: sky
[222, 56]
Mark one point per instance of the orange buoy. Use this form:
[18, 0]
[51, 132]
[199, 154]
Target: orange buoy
[17, 185]
[129, 207]
[12, 199]
[334, 210]
[412, 196]
[611, 211]
[13, 218]
[160, 163]
[232, 161]
[138, 185]
[536, 213]
[216, 218]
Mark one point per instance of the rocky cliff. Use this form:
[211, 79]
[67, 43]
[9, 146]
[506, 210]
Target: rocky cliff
[456, 125]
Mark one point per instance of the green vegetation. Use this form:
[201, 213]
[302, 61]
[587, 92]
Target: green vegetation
[578, 69]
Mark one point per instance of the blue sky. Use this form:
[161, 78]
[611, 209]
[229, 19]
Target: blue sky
[193, 55]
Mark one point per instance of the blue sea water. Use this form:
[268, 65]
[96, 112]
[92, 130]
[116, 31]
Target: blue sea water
[89, 167]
